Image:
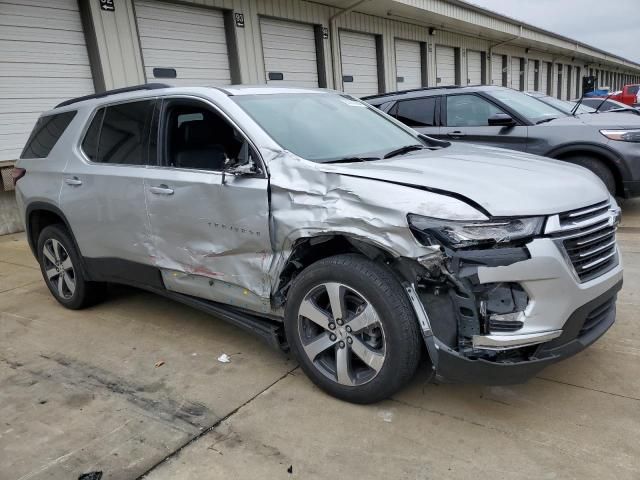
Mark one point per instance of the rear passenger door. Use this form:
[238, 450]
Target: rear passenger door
[103, 184]
[421, 114]
[465, 119]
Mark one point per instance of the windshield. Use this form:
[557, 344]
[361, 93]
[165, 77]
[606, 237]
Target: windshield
[529, 107]
[325, 127]
[564, 105]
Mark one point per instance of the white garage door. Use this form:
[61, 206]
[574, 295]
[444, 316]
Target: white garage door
[190, 40]
[359, 63]
[474, 67]
[289, 53]
[516, 78]
[496, 70]
[544, 78]
[531, 75]
[408, 64]
[445, 65]
[43, 61]
[561, 82]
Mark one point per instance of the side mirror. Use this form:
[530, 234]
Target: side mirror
[247, 168]
[501, 120]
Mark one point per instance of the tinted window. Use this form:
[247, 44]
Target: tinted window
[91, 138]
[469, 111]
[417, 113]
[46, 134]
[634, 89]
[124, 135]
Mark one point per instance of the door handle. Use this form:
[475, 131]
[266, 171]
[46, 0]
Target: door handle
[456, 134]
[161, 190]
[75, 181]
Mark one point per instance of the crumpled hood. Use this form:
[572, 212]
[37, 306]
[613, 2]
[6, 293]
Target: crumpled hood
[503, 182]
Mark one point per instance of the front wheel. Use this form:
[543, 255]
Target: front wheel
[351, 326]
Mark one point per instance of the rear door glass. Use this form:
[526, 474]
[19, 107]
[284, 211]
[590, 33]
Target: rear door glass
[417, 113]
[46, 134]
[119, 134]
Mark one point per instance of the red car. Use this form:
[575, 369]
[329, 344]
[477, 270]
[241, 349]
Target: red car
[628, 94]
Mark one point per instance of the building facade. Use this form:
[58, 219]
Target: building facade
[51, 50]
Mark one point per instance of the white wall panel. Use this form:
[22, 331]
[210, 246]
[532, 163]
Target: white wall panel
[359, 63]
[408, 64]
[474, 67]
[445, 65]
[189, 39]
[43, 61]
[289, 48]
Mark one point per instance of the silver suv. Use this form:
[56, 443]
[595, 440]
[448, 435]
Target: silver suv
[327, 227]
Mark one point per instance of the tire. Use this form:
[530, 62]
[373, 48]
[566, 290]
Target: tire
[62, 272]
[599, 168]
[376, 340]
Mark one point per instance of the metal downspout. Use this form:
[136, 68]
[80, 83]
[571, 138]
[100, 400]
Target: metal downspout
[491, 47]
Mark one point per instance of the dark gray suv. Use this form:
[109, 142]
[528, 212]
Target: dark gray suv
[608, 144]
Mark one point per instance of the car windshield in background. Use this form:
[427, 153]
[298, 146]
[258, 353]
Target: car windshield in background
[634, 89]
[564, 105]
[325, 127]
[529, 107]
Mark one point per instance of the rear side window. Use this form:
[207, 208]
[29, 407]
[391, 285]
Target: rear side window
[420, 112]
[119, 134]
[46, 134]
[634, 89]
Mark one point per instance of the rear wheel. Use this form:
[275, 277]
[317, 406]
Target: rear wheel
[60, 266]
[352, 328]
[599, 168]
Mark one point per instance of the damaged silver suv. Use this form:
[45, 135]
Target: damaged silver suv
[327, 227]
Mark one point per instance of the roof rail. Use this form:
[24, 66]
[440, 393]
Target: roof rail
[146, 86]
[421, 89]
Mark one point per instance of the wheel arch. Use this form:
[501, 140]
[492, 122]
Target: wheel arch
[605, 154]
[40, 215]
[308, 250]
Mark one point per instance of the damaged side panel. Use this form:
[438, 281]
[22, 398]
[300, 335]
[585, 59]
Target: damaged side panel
[309, 200]
[211, 239]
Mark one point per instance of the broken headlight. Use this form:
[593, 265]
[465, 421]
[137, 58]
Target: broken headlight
[460, 234]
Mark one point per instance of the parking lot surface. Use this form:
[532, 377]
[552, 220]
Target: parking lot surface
[134, 387]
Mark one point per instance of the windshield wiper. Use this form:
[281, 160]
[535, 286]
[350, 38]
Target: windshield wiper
[545, 120]
[353, 159]
[405, 149]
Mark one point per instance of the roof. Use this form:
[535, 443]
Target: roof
[420, 92]
[156, 89]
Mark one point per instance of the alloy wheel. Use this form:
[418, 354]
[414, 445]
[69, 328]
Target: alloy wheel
[341, 333]
[59, 268]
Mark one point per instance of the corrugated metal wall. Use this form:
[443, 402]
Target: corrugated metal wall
[121, 62]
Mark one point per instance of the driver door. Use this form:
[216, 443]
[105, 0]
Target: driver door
[210, 230]
[465, 119]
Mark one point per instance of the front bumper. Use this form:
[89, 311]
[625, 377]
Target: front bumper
[583, 327]
[563, 316]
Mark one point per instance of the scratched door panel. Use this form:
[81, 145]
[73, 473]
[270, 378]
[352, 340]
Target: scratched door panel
[211, 240]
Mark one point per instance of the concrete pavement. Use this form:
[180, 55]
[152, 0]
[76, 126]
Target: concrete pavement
[81, 392]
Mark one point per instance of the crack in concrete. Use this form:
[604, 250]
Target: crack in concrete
[20, 286]
[588, 388]
[205, 431]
